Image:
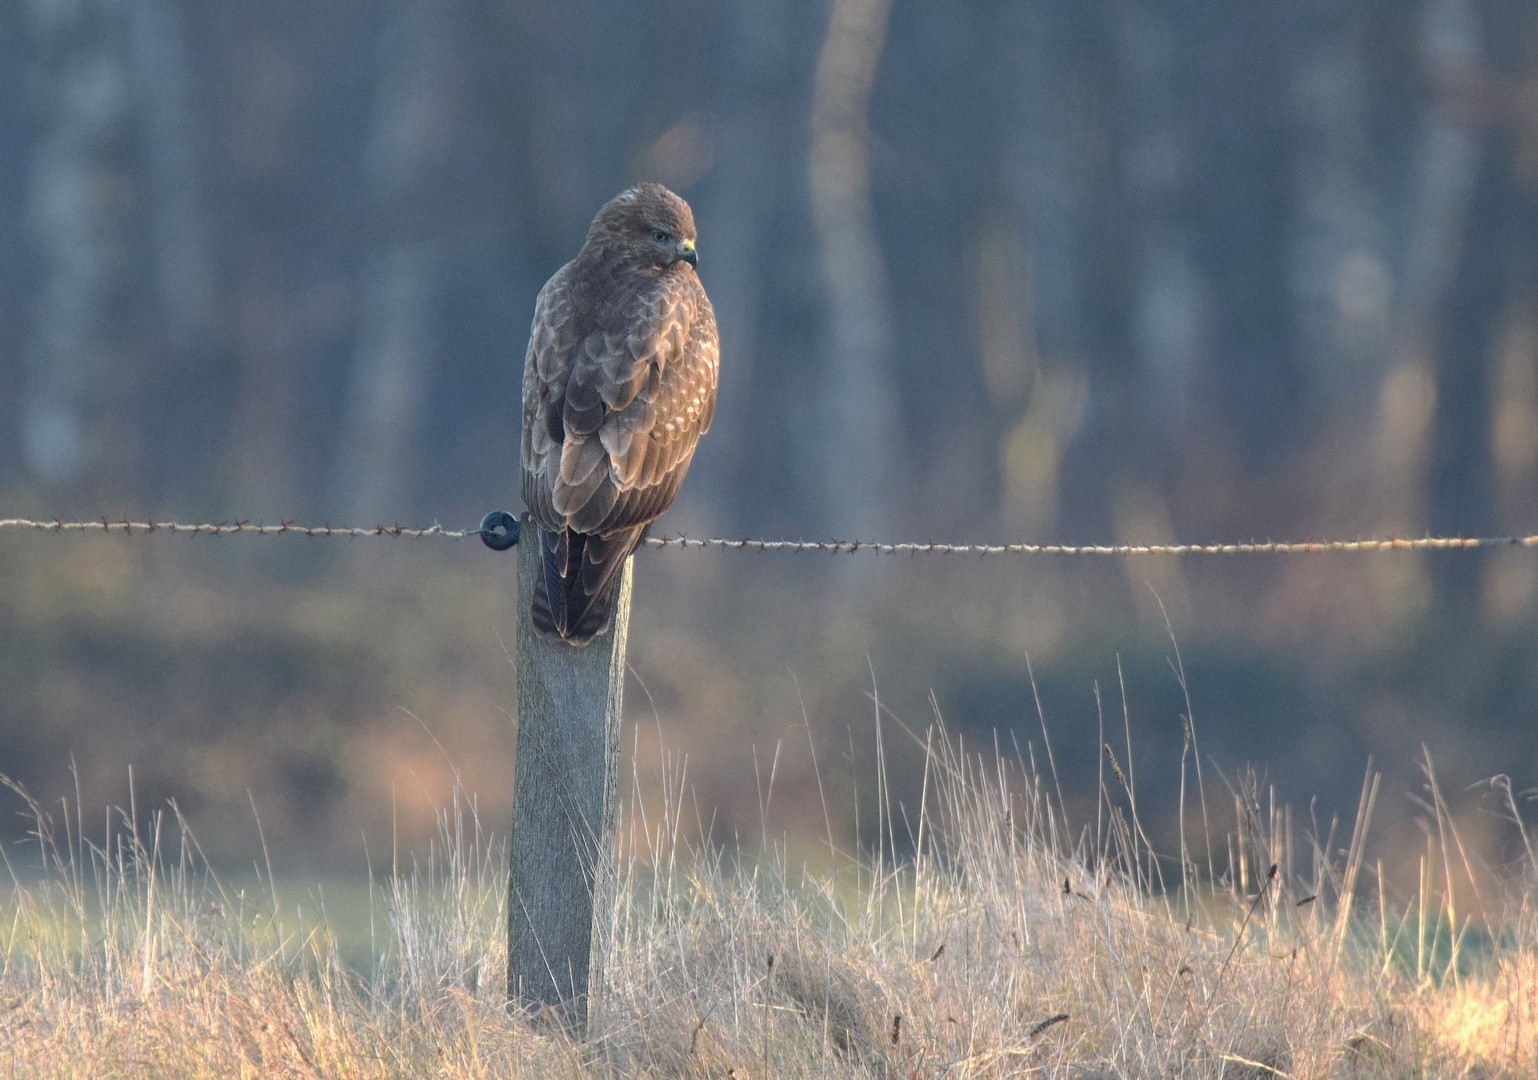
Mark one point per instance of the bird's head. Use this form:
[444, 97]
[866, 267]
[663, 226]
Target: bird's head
[646, 224]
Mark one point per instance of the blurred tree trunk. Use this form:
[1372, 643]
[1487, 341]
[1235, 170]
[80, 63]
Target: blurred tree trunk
[380, 455]
[1499, 237]
[1443, 166]
[81, 200]
[860, 434]
[164, 85]
[1164, 302]
[741, 202]
[1459, 482]
[261, 460]
[1040, 340]
[183, 425]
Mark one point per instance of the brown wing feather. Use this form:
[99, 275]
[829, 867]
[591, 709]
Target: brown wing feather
[547, 367]
[630, 403]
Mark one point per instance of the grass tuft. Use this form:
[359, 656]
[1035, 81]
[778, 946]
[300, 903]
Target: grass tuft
[992, 946]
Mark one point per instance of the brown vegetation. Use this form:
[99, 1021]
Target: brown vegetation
[1002, 945]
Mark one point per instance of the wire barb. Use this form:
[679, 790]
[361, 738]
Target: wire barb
[832, 547]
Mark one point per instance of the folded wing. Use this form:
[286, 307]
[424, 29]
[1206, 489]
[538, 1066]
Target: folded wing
[611, 416]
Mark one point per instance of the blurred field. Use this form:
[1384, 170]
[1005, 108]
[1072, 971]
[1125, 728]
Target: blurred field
[1013, 942]
[338, 687]
[237, 679]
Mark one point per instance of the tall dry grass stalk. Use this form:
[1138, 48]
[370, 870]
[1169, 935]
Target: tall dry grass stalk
[984, 935]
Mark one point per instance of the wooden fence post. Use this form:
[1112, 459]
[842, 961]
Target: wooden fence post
[561, 862]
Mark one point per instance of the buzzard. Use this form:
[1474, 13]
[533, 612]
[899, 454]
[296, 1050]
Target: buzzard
[618, 386]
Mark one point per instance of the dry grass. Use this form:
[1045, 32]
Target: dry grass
[1005, 946]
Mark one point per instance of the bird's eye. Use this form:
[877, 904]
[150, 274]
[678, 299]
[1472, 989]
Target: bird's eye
[661, 237]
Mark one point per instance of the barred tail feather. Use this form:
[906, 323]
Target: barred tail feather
[549, 609]
[575, 598]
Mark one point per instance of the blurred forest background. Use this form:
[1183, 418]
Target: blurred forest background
[1003, 270]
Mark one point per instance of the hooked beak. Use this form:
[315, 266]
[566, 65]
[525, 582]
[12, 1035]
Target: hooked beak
[687, 253]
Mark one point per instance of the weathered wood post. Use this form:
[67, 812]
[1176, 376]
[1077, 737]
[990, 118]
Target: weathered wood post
[561, 880]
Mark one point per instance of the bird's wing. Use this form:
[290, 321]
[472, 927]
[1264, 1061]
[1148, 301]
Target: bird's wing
[610, 421]
[546, 368]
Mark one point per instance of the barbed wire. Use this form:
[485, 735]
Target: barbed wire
[1306, 547]
[286, 528]
[833, 547]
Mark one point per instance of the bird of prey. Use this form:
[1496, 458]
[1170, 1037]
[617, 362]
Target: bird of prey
[618, 386]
